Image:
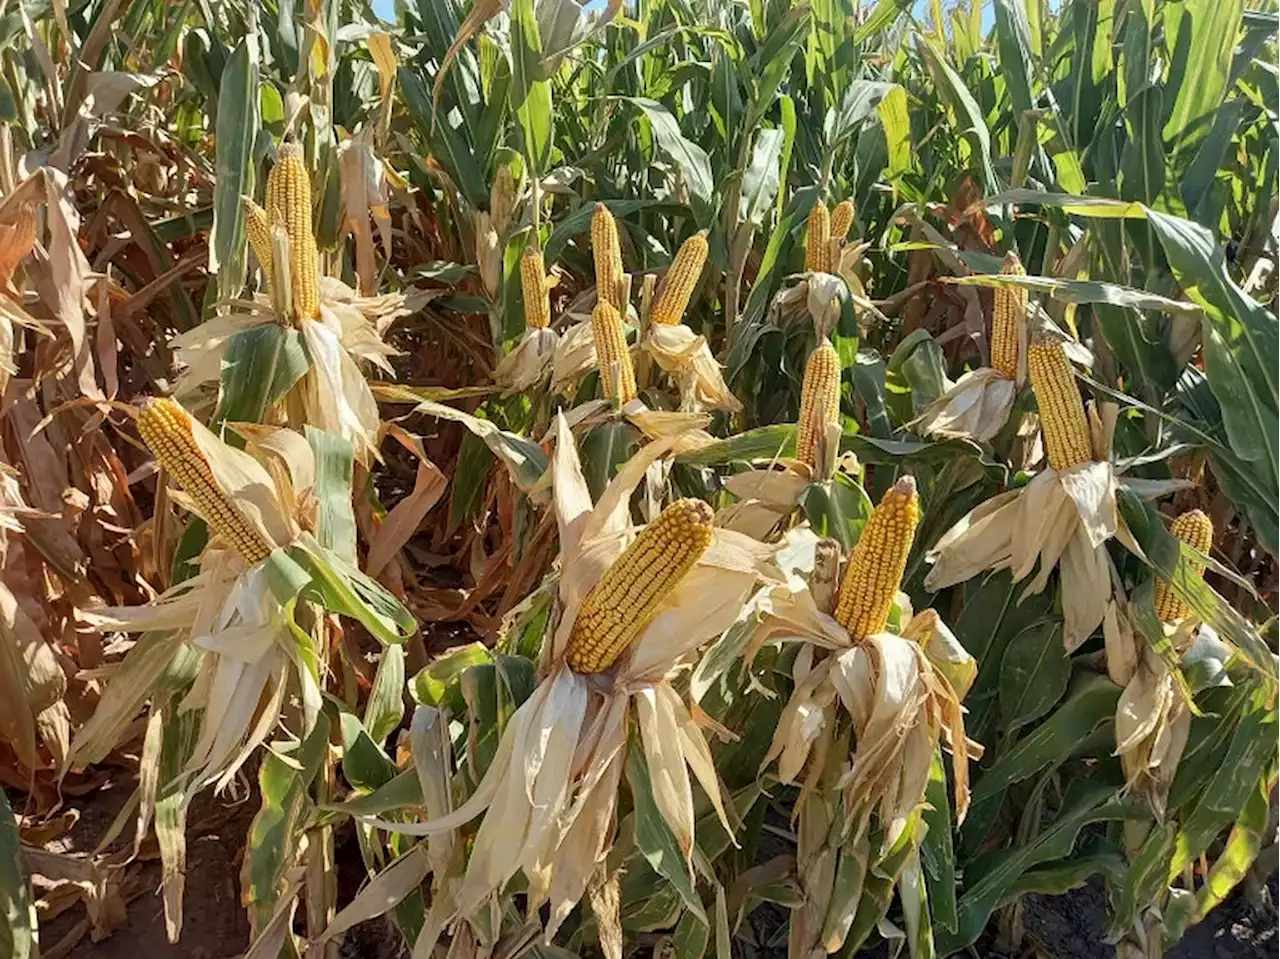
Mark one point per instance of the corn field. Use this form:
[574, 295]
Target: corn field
[712, 478]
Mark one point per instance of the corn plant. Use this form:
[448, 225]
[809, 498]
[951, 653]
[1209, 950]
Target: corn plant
[838, 439]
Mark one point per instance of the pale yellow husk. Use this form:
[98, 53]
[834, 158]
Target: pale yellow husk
[229, 615]
[529, 365]
[333, 395]
[976, 407]
[1059, 520]
[687, 357]
[549, 798]
[902, 692]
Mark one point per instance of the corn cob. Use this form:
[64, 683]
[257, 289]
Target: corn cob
[257, 226]
[817, 242]
[819, 401]
[682, 276]
[1062, 421]
[533, 284]
[166, 429]
[620, 605]
[1009, 306]
[841, 219]
[1196, 530]
[879, 558]
[607, 253]
[617, 374]
[289, 202]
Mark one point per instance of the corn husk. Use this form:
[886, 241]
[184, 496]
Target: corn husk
[333, 395]
[902, 693]
[687, 357]
[549, 797]
[976, 407]
[230, 615]
[528, 365]
[1059, 520]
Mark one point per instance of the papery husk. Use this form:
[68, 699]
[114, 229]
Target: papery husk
[1059, 520]
[1152, 724]
[687, 357]
[574, 357]
[528, 366]
[765, 498]
[549, 796]
[899, 696]
[977, 407]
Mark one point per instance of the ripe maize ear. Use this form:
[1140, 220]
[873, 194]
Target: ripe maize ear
[620, 605]
[817, 241]
[879, 558]
[1009, 307]
[1062, 420]
[257, 226]
[819, 401]
[841, 219]
[617, 374]
[1196, 530]
[607, 252]
[289, 202]
[682, 276]
[166, 429]
[533, 284]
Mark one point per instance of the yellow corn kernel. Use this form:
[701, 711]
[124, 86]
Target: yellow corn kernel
[166, 429]
[607, 253]
[682, 276]
[817, 241]
[533, 285]
[879, 558]
[621, 604]
[1196, 530]
[289, 202]
[617, 373]
[841, 219]
[1062, 421]
[1009, 309]
[257, 227]
[819, 401]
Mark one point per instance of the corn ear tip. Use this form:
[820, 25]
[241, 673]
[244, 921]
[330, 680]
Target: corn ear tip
[1011, 265]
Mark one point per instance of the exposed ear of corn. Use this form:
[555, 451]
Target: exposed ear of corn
[819, 401]
[1196, 530]
[166, 429]
[257, 227]
[879, 558]
[617, 373]
[289, 202]
[841, 219]
[1062, 419]
[607, 253]
[1009, 307]
[620, 605]
[681, 278]
[817, 241]
[533, 284]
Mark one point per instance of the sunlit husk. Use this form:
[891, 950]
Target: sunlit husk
[574, 357]
[1058, 520]
[528, 365]
[333, 395]
[229, 614]
[687, 357]
[903, 694]
[976, 407]
[549, 797]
